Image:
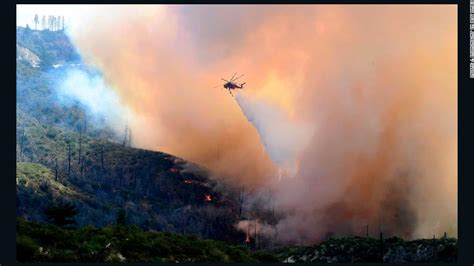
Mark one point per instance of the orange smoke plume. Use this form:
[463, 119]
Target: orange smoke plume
[377, 84]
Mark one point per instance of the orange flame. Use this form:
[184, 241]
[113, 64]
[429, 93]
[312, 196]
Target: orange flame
[207, 197]
[174, 170]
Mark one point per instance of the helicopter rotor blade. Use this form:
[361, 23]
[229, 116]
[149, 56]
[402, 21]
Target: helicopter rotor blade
[238, 77]
[233, 76]
[225, 80]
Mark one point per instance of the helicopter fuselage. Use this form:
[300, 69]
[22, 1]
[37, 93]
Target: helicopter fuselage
[233, 86]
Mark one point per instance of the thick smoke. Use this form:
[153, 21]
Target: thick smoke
[375, 84]
[89, 89]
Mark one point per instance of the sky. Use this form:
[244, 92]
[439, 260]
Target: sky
[349, 114]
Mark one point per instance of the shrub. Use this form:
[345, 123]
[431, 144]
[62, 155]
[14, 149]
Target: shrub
[26, 248]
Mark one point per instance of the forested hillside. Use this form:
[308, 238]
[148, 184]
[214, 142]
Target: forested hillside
[65, 155]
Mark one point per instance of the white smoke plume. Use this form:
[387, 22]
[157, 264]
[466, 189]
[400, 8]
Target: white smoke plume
[89, 89]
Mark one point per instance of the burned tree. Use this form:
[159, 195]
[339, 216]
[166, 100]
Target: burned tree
[22, 143]
[36, 21]
[82, 166]
[80, 147]
[82, 131]
[125, 136]
[69, 159]
[56, 169]
[241, 201]
[102, 168]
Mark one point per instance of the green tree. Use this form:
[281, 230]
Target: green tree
[61, 214]
[26, 248]
[121, 217]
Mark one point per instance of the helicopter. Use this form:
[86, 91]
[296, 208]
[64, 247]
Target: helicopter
[232, 85]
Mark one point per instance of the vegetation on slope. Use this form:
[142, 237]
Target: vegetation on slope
[52, 47]
[368, 249]
[44, 242]
[157, 190]
[79, 160]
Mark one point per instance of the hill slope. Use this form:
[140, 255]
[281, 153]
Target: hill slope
[61, 157]
[49, 47]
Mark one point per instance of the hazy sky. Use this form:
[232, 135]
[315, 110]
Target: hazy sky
[26, 13]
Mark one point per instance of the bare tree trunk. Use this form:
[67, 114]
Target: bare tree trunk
[125, 137]
[80, 147]
[56, 170]
[135, 174]
[82, 166]
[102, 169]
[241, 202]
[121, 174]
[69, 160]
[82, 132]
[22, 144]
[148, 176]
